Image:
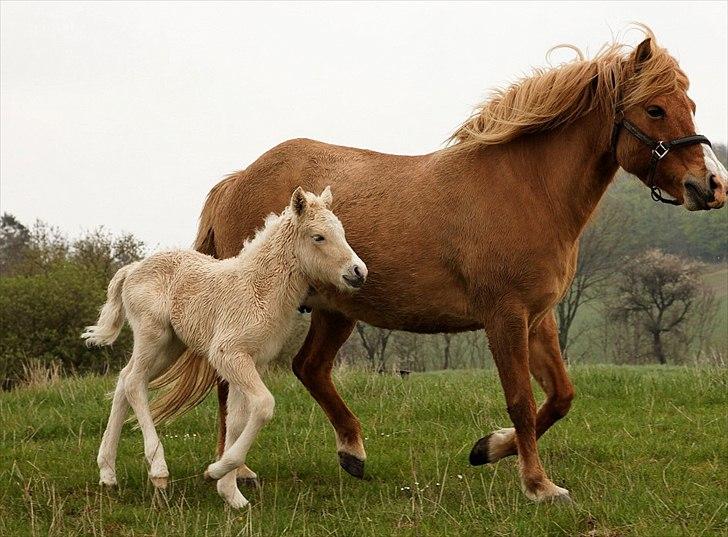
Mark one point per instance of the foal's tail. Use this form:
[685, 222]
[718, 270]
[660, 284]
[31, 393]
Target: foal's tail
[111, 319]
[188, 380]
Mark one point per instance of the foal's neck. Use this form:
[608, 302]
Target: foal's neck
[270, 266]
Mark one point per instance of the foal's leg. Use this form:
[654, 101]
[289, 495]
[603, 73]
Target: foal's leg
[237, 418]
[154, 349]
[508, 336]
[241, 374]
[547, 367]
[106, 458]
[312, 365]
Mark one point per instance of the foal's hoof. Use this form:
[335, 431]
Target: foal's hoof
[351, 464]
[159, 483]
[479, 453]
[208, 477]
[252, 482]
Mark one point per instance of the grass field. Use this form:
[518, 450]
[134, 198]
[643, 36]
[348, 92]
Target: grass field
[644, 453]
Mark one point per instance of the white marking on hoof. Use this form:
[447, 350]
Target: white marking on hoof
[356, 449]
[500, 443]
[549, 493]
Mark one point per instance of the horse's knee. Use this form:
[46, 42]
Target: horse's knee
[561, 402]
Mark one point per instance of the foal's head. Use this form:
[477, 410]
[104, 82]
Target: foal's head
[320, 243]
[653, 98]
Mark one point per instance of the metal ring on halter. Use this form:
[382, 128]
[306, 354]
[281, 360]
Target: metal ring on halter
[659, 148]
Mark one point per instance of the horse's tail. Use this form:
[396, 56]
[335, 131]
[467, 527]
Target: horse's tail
[111, 319]
[188, 381]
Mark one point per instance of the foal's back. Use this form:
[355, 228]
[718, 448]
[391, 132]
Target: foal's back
[180, 289]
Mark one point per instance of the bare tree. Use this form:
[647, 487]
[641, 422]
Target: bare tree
[600, 249]
[659, 292]
[374, 340]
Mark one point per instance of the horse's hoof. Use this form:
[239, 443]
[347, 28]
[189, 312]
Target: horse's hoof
[551, 495]
[159, 482]
[479, 453]
[351, 464]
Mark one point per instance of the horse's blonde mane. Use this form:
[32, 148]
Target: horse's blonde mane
[557, 96]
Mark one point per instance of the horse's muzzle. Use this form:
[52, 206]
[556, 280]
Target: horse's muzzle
[706, 194]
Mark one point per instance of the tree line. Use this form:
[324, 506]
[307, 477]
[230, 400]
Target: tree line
[638, 295]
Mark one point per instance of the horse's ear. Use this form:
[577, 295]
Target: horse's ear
[298, 201]
[643, 52]
[327, 197]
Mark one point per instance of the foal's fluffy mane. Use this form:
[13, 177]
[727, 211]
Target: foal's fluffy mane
[557, 96]
[270, 225]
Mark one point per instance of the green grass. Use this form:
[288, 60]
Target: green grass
[643, 452]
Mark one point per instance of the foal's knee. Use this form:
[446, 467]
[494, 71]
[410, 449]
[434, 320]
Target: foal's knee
[262, 406]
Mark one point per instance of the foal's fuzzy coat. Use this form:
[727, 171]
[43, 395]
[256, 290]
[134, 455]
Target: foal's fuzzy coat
[237, 312]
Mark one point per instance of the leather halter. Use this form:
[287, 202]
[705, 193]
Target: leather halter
[659, 149]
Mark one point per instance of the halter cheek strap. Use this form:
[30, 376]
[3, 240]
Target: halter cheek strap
[659, 149]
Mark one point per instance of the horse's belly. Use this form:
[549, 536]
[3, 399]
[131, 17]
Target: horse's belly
[426, 311]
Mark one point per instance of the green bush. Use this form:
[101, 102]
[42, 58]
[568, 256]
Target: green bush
[42, 317]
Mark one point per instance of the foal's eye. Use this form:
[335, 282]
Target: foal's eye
[318, 238]
[655, 112]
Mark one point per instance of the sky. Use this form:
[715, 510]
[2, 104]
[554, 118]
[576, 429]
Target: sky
[126, 114]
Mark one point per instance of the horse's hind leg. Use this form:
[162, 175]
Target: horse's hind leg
[312, 365]
[155, 347]
[547, 367]
[106, 458]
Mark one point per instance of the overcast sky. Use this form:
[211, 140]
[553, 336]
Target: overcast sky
[127, 114]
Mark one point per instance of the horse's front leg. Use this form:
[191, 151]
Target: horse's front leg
[312, 365]
[547, 367]
[508, 336]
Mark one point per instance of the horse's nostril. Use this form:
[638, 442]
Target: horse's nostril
[357, 271]
[713, 184]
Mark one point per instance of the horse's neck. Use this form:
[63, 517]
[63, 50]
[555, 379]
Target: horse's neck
[566, 172]
[271, 268]
[573, 167]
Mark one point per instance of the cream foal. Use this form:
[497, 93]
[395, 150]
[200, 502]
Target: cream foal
[237, 312]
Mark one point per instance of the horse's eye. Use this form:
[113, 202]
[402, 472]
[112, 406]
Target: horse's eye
[318, 238]
[655, 112]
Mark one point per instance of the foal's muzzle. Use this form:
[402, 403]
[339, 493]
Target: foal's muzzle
[356, 277]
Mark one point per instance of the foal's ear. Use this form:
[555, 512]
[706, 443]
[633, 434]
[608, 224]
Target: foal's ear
[327, 197]
[643, 52]
[298, 201]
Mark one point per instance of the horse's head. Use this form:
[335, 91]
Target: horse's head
[654, 137]
[321, 245]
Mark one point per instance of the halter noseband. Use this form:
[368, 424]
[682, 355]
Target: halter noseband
[659, 148]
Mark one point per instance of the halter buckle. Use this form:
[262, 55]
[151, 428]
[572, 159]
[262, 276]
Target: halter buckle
[660, 150]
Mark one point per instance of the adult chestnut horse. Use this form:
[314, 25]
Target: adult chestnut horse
[481, 234]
